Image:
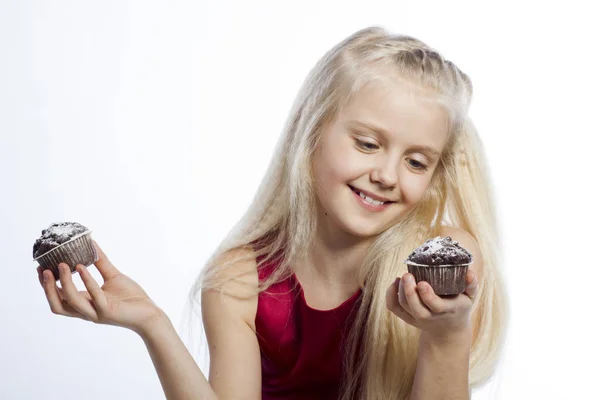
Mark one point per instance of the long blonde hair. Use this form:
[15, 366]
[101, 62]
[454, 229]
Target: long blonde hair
[381, 357]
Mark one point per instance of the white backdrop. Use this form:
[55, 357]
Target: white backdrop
[153, 122]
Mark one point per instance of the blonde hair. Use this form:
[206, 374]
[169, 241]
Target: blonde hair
[381, 356]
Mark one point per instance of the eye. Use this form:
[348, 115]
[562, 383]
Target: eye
[417, 164]
[364, 145]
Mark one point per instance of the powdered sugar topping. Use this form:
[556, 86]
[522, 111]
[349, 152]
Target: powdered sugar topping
[57, 234]
[440, 250]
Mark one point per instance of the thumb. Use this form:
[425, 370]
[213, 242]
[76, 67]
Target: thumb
[106, 268]
[472, 285]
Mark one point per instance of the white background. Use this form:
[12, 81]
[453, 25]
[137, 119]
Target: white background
[153, 122]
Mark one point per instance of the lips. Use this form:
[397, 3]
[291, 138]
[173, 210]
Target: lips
[357, 191]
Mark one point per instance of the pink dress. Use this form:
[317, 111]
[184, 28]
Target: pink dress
[301, 348]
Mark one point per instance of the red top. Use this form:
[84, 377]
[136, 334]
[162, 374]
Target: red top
[301, 348]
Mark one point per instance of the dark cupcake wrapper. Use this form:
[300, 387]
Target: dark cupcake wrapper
[444, 279]
[79, 250]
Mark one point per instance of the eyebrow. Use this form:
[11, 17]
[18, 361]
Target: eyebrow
[424, 148]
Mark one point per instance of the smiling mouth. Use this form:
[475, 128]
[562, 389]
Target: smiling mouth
[358, 193]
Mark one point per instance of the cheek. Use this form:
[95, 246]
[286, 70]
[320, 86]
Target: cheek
[414, 188]
[344, 167]
[333, 166]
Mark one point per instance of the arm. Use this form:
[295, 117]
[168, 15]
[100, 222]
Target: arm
[235, 370]
[235, 356]
[179, 375]
[447, 328]
[442, 367]
[443, 362]
[235, 366]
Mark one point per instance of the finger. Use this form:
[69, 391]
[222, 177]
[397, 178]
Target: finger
[57, 305]
[94, 291]
[85, 294]
[106, 268]
[390, 302]
[394, 305]
[417, 307]
[472, 285]
[402, 296]
[60, 291]
[434, 302]
[72, 295]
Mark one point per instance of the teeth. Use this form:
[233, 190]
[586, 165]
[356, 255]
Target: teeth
[370, 200]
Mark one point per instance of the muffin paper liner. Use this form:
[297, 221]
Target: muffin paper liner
[444, 279]
[78, 250]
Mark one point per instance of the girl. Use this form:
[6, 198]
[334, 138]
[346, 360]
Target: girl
[302, 299]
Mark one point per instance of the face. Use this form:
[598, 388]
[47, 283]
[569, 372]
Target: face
[377, 144]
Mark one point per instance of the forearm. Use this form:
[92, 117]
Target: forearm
[442, 368]
[179, 375]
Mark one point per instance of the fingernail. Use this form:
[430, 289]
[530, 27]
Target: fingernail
[422, 288]
[45, 277]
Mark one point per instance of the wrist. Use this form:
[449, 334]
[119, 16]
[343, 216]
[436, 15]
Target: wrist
[452, 338]
[157, 322]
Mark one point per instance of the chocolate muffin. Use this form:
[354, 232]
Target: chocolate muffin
[442, 263]
[68, 242]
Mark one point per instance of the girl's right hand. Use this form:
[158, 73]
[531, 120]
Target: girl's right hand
[119, 302]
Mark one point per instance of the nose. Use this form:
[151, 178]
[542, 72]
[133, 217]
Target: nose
[386, 173]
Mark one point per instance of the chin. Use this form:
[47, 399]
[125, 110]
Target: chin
[363, 229]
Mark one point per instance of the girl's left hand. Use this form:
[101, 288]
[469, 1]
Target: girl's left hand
[419, 306]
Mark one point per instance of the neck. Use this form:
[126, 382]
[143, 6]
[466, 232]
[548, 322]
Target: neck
[336, 257]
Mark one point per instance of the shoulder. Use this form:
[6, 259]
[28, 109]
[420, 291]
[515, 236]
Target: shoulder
[237, 292]
[466, 240]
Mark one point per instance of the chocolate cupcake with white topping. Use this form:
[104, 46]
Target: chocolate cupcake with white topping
[64, 242]
[442, 263]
